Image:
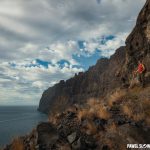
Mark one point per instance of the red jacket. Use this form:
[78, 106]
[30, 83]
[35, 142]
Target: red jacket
[141, 68]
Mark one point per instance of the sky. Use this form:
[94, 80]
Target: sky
[45, 41]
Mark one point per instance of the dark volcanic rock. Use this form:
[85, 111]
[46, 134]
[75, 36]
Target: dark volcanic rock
[47, 135]
[138, 42]
[95, 82]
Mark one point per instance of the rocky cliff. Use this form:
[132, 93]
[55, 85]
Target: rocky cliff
[107, 74]
[138, 42]
[95, 82]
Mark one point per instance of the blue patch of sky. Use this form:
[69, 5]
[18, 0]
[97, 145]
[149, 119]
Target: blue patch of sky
[86, 62]
[82, 47]
[104, 39]
[42, 63]
[81, 44]
[37, 64]
[12, 64]
[62, 63]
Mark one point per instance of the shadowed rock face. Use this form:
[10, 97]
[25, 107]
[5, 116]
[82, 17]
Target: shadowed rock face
[95, 82]
[107, 74]
[47, 134]
[138, 42]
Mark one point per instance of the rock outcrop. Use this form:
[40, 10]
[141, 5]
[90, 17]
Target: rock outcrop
[95, 82]
[138, 42]
[107, 74]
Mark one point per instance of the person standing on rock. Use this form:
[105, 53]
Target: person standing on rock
[141, 72]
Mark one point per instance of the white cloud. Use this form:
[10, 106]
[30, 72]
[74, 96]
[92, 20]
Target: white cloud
[58, 51]
[90, 46]
[50, 23]
[111, 45]
[49, 30]
[105, 45]
[27, 83]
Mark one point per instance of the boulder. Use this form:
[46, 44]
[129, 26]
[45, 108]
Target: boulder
[72, 137]
[47, 135]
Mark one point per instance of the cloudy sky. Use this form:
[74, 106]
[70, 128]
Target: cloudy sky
[44, 41]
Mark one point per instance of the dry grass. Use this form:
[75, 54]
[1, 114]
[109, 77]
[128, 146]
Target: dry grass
[146, 108]
[91, 128]
[17, 144]
[65, 147]
[92, 102]
[137, 106]
[139, 117]
[83, 113]
[97, 109]
[73, 108]
[134, 109]
[147, 121]
[94, 109]
[117, 96]
[127, 111]
[102, 113]
[112, 128]
[52, 119]
[114, 141]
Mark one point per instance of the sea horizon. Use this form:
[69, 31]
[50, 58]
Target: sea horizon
[18, 121]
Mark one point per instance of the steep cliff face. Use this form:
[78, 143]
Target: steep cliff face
[138, 42]
[95, 82]
[107, 74]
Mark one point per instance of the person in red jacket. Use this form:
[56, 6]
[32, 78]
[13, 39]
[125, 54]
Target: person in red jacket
[141, 72]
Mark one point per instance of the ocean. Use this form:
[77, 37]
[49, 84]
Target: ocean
[17, 121]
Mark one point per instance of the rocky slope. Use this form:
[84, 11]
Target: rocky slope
[107, 74]
[109, 124]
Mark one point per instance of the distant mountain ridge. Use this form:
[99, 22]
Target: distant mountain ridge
[107, 74]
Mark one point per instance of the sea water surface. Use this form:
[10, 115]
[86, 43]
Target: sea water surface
[17, 121]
